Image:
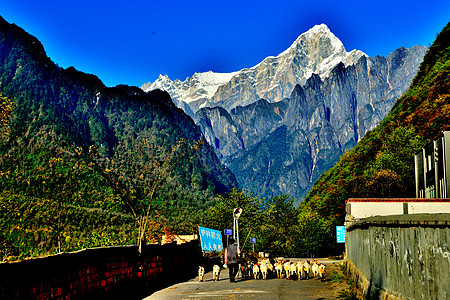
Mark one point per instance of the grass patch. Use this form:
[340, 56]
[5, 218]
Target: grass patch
[346, 286]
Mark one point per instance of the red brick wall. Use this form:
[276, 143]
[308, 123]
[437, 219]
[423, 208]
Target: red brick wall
[101, 273]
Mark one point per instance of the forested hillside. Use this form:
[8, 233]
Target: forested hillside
[382, 163]
[77, 157]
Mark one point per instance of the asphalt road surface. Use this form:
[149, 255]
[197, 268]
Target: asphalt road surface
[307, 289]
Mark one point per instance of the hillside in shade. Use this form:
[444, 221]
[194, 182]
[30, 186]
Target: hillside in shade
[74, 144]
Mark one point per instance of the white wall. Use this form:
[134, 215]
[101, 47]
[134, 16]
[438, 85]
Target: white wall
[361, 210]
[428, 207]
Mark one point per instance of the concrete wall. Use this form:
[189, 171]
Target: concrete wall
[401, 257]
[101, 273]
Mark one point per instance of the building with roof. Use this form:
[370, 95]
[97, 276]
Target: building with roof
[432, 168]
[432, 180]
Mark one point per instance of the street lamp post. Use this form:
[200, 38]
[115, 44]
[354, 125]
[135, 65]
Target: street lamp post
[236, 214]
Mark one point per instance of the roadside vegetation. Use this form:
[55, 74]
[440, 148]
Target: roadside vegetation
[345, 286]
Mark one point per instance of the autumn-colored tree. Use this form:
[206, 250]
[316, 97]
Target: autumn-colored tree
[6, 108]
[155, 226]
[385, 184]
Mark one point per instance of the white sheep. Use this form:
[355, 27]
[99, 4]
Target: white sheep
[287, 268]
[300, 271]
[216, 273]
[322, 271]
[306, 269]
[315, 270]
[263, 269]
[256, 271]
[201, 273]
[279, 269]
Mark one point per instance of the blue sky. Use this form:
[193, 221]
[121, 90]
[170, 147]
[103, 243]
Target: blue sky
[132, 42]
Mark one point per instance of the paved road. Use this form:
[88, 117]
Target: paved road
[250, 289]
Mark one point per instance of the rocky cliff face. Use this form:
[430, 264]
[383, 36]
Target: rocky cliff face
[283, 147]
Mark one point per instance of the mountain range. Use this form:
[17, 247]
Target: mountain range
[53, 200]
[279, 125]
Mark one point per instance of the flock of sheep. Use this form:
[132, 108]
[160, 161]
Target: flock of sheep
[279, 268]
[264, 269]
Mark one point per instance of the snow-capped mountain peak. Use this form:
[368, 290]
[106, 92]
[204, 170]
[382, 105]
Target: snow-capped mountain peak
[316, 51]
[321, 30]
[323, 49]
[199, 86]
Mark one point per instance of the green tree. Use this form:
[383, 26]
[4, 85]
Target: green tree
[220, 216]
[278, 218]
[152, 166]
[309, 235]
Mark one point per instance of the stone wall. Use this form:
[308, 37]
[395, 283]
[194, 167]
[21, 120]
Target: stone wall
[101, 273]
[401, 257]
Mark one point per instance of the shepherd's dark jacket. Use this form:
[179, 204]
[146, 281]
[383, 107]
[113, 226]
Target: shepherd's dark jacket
[232, 254]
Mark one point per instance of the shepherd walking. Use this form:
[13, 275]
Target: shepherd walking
[231, 259]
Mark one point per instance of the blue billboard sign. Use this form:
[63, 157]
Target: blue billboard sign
[227, 231]
[252, 240]
[340, 234]
[210, 239]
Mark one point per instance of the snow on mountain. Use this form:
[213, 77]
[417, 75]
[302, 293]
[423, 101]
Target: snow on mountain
[199, 86]
[316, 51]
